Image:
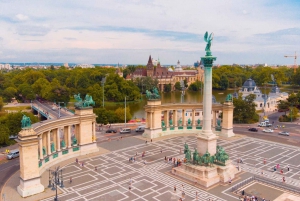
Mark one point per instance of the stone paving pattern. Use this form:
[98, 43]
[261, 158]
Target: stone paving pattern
[150, 181]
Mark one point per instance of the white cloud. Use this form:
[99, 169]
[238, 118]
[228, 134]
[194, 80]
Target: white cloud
[22, 17]
[142, 27]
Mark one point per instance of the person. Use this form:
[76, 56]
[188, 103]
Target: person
[183, 194]
[288, 168]
[130, 181]
[175, 189]
[197, 196]
[96, 168]
[180, 151]
[264, 161]
[229, 180]
[241, 161]
[281, 171]
[129, 187]
[274, 168]
[283, 179]
[134, 159]
[243, 192]
[70, 180]
[76, 160]
[165, 158]
[151, 139]
[146, 142]
[160, 150]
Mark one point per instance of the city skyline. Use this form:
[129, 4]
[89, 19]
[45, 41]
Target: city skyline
[128, 32]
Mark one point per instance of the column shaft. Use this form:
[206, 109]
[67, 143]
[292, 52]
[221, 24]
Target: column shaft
[41, 147]
[69, 136]
[48, 143]
[151, 120]
[183, 118]
[175, 118]
[193, 117]
[58, 140]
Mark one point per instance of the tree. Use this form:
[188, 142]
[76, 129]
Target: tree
[9, 93]
[105, 116]
[4, 134]
[283, 106]
[96, 91]
[177, 86]
[167, 87]
[195, 86]
[224, 82]
[1, 103]
[244, 109]
[120, 114]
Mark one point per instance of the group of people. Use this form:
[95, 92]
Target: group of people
[176, 162]
[251, 198]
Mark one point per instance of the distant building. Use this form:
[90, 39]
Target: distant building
[66, 65]
[5, 67]
[263, 101]
[119, 71]
[167, 75]
[84, 66]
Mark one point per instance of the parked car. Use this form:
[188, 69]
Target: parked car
[111, 130]
[13, 154]
[140, 129]
[125, 130]
[264, 124]
[268, 131]
[284, 133]
[253, 129]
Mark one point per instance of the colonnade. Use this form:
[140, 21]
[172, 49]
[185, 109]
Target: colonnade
[157, 126]
[48, 143]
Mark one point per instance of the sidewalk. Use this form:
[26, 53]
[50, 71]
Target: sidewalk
[10, 188]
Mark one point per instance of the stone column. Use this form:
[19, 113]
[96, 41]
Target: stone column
[214, 119]
[54, 135]
[206, 139]
[227, 124]
[44, 140]
[57, 139]
[69, 136]
[48, 143]
[30, 180]
[147, 119]
[78, 137]
[166, 118]
[94, 132]
[175, 118]
[193, 117]
[183, 118]
[41, 147]
[151, 120]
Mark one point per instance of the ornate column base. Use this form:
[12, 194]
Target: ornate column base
[227, 132]
[152, 133]
[207, 143]
[30, 187]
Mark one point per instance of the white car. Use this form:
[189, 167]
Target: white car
[284, 133]
[268, 131]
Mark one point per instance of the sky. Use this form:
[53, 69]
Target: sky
[128, 31]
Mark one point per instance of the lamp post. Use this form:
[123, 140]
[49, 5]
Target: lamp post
[57, 180]
[59, 108]
[182, 90]
[103, 82]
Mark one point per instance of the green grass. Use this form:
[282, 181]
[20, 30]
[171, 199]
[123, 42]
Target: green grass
[18, 108]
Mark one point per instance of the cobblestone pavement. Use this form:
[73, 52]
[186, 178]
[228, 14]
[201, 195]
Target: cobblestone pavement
[150, 182]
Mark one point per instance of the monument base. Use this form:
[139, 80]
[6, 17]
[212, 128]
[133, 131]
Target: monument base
[227, 132]
[30, 187]
[206, 176]
[207, 143]
[152, 133]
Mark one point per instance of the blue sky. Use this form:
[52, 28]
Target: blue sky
[127, 31]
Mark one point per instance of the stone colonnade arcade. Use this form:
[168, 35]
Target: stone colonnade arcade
[50, 142]
[172, 123]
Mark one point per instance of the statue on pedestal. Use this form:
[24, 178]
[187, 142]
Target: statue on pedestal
[152, 96]
[189, 121]
[221, 155]
[163, 124]
[52, 147]
[171, 122]
[208, 39]
[62, 143]
[198, 122]
[74, 141]
[179, 122]
[44, 151]
[229, 98]
[25, 122]
[195, 157]
[88, 100]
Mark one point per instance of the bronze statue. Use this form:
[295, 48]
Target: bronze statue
[25, 122]
[208, 39]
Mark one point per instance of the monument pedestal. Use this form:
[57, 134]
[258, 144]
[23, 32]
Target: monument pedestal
[206, 176]
[30, 182]
[207, 143]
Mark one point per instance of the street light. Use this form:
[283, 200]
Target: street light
[59, 108]
[57, 179]
[103, 82]
[125, 111]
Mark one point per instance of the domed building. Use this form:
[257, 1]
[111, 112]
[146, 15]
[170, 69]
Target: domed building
[263, 101]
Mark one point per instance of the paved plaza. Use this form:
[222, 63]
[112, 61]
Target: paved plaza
[153, 180]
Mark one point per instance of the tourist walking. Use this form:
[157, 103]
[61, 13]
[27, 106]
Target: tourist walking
[175, 189]
[70, 180]
[288, 168]
[264, 161]
[96, 168]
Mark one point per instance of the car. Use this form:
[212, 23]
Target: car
[12, 137]
[125, 130]
[268, 131]
[284, 133]
[111, 130]
[140, 129]
[13, 154]
[253, 129]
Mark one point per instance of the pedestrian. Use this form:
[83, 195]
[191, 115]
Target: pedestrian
[82, 164]
[129, 187]
[130, 181]
[274, 168]
[288, 168]
[197, 196]
[151, 139]
[134, 159]
[229, 180]
[146, 142]
[165, 158]
[160, 150]
[264, 161]
[76, 160]
[277, 166]
[96, 168]
[70, 180]
[180, 151]
[121, 137]
[183, 194]
[262, 172]
[175, 189]
[281, 171]
[283, 179]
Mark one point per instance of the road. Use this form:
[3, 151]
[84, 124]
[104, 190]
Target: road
[7, 170]
[47, 107]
